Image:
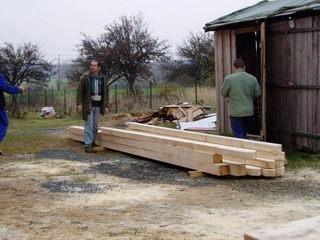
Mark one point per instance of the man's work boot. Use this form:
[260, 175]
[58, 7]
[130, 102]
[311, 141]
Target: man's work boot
[94, 144]
[90, 149]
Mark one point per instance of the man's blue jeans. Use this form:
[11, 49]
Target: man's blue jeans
[239, 126]
[91, 126]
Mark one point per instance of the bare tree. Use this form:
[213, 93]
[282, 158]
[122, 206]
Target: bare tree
[26, 63]
[125, 50]
[90, 49]
[195, 61]
[135, 48]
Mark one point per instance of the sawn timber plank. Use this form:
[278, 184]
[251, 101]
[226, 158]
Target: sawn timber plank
[263, 163]
[183, 143]
[219, 169]
[217, 139]
[197, 159]
[158, 151]
[236, 168]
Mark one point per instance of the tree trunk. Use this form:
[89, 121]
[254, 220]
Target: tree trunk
[14, 110]
[131, 86]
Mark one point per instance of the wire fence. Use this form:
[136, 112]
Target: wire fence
[120, 100]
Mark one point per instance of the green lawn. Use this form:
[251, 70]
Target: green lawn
[29, 135]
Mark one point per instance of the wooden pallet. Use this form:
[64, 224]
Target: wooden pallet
[201, 152]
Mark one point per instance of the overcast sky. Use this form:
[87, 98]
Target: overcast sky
[56, 25]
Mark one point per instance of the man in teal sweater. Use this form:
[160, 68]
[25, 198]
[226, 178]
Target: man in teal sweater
[241, 88]
[92, 100]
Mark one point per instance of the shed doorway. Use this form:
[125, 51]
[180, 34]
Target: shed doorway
[248, 48]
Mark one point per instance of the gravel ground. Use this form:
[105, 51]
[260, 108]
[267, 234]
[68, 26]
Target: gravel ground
[68, 194]
[146, 171]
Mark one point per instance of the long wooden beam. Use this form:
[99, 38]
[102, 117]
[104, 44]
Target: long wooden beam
[197, 155]
[228, 141]
[182, 143]
[191, 159]
[265, 150]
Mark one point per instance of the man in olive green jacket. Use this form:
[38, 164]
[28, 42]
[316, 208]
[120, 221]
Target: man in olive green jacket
[92, 100]
[241, 88]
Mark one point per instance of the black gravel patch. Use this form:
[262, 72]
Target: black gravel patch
[142, 170]
[138, 169]
[73, 187]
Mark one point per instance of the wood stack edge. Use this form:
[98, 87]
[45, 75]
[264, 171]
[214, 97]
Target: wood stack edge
[203, 153]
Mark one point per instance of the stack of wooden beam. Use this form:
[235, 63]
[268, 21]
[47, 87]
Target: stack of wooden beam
[203, 153]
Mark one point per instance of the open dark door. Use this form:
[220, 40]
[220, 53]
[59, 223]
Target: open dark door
[250, 48]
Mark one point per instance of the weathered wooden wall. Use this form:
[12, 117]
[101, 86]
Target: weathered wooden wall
[293, 83]
[225, 53]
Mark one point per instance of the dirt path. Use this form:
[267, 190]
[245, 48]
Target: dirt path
[125, 208]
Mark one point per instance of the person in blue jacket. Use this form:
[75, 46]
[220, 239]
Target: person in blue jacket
[4, 121]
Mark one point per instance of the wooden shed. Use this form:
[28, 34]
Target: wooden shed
[280, 44]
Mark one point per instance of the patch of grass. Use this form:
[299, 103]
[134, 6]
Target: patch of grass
[300, 160]
[168, 125]
[33, 121]
[30, 135]
[80, 179]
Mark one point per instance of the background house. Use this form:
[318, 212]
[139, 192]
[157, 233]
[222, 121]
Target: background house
[279, 42]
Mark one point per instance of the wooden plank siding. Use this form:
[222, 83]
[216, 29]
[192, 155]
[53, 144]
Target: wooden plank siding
[293, 84]
[292, 80]
[220, 107]
[224, 41]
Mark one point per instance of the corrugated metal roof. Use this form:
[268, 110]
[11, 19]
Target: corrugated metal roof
[262, 10]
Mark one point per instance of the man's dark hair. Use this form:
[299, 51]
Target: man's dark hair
[239, 63]
[98, 63]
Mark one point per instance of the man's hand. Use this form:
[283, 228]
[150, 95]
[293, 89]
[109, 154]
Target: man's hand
[22, 90]
[106, 111]
[80, 108]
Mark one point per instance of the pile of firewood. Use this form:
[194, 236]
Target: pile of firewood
[181, 112]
